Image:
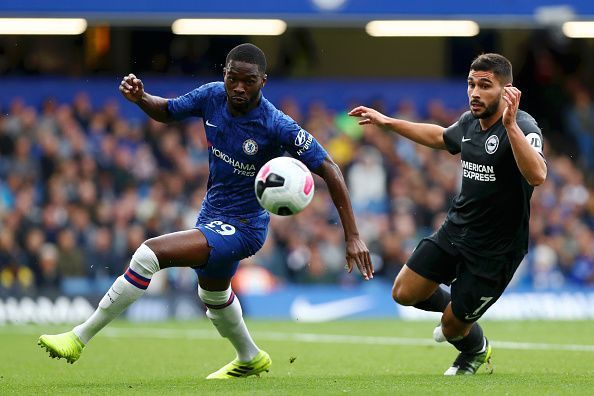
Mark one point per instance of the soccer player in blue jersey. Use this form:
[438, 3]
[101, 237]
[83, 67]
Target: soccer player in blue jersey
[244, 131]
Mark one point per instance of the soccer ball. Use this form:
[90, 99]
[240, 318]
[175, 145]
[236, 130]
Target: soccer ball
[284, 186]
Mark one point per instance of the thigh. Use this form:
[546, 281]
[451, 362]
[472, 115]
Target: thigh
[180, 249]
[228, 245]
[473, 295]
[410, 288]
[473, 292]
[427, 267]
[432, 262]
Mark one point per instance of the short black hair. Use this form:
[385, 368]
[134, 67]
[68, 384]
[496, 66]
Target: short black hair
[248, 53]
[498, 64]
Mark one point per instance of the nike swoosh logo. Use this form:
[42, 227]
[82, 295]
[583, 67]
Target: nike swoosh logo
[304, 311]
[210, 125]
[471, 317]
[463, 138]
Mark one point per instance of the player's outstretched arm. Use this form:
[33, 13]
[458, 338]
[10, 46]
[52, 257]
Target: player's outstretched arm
[357, 253]
[429, 135]
[156, 107]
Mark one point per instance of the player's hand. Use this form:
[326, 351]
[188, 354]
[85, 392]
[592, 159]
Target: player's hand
[358, 255]
[368, 116]
[132, 88]
[511, 95]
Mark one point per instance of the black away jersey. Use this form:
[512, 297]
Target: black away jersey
[491, 212]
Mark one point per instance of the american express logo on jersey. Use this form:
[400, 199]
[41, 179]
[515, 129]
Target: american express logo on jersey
[478, 172]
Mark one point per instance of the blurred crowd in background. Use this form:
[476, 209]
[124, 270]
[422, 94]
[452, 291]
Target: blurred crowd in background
[81, 188]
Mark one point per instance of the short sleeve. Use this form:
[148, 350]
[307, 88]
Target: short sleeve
[531, 130]
[189, 105]
[300, 143]
[452, 136]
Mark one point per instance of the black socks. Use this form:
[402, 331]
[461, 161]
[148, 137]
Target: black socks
[473, 342]
[436, 303]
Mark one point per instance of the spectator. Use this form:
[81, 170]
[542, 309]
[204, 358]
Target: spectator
[367, 180]
[580, 125]
[15, 276]
[102, 262]
[48, 281]
[70, 260]
[98, 185]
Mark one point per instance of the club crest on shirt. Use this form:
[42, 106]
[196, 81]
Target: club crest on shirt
[250, 147]
[491, 144]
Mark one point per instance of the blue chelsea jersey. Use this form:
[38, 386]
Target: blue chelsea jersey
[239, 146]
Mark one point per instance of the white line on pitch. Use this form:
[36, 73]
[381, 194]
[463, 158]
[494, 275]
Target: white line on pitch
[197, 334]
[332, 338]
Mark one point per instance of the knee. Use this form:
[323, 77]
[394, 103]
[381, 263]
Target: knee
[145, 260]
[403, 295]
[217, 300]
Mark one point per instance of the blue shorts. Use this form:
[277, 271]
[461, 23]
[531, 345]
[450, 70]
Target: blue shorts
[230, 241]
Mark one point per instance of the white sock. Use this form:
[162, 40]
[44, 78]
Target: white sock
[125, 290]
[224, 310]
[438, 335]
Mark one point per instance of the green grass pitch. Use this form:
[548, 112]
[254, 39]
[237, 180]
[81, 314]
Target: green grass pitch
[383, 357]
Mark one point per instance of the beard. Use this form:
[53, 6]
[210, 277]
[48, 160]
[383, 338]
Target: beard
[488, 112]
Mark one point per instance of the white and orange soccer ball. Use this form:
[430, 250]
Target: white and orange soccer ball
[284, 186]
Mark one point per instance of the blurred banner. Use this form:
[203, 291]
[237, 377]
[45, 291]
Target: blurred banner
[313, 303]
[325, 303]
[506, 11]
[337, 94]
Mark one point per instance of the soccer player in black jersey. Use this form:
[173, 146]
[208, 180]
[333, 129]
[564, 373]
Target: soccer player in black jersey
[485, 235]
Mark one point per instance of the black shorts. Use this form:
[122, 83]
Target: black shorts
[471, 294]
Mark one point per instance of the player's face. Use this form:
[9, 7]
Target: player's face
[243, 82]
[484, 93]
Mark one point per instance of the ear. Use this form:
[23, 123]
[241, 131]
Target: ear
[264, 79]
[226, 67]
